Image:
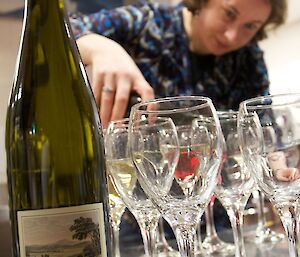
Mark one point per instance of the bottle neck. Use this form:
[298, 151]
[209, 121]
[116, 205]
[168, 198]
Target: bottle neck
[44, 12]
[46, 38]
[56, 4]
[44, 19]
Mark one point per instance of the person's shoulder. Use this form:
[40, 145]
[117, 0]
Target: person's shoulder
[156, 6]
[162, 19]
[163, 11]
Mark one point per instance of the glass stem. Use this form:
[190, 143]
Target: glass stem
[115, 240]
[198, 238]
[260, 211]
[185, 236]
[209, 218]
[236, 219]
[148, 232]
[289, 221]
[161, 237]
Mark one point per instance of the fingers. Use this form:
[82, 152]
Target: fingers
[121, 97]
[143, 89]
[125, 86]
[112, 91]
[107, 99]
[97, 84]
[146, 92]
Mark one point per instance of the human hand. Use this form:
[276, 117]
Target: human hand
[287, 174]
[114, 76]
[277, 162]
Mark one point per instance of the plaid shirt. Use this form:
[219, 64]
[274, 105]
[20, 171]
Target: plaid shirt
[155, 38]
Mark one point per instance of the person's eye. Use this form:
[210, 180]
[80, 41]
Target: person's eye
[229, 14]
[251, 26]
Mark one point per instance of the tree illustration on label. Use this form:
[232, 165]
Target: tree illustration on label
[85, 228]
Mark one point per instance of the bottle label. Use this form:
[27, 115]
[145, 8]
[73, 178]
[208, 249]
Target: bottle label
[60, 232]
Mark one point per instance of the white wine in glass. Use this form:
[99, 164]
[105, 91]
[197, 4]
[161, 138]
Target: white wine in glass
[117, 208]
[124, 178]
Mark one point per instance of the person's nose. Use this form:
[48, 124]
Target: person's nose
[232, 34]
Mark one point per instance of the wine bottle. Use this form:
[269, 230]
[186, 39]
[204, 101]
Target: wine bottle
[54, 144]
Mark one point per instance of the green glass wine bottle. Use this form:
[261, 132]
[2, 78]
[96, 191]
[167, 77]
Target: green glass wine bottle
[54, 144]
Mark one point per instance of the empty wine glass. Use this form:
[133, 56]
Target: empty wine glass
[212, 243]
[181, 195]
[123, 176]
[274, 161]
[236, 182]
[263, 234]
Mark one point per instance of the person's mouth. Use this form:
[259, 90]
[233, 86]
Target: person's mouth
[221, 44]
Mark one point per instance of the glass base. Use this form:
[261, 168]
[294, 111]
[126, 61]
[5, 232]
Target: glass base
[268, 236]
[265, 236]
[173, 253]
[165, 253]
[164, 250]
[214, 245]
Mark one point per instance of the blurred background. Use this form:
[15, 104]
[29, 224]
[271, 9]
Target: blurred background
[282, 52]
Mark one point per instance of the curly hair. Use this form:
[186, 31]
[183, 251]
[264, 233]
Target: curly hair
[276, 18]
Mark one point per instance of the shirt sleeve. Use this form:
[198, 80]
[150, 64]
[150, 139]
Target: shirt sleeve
[120, 24]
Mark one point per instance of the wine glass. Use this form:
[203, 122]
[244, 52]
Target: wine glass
[190, 186]
[265, 235]
[123, 176]
[274, 161]
[212, 244]
[235, 181]
[117, 208]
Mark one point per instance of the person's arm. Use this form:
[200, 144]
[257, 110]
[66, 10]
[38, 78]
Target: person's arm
[114, 73]
[112, 68]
